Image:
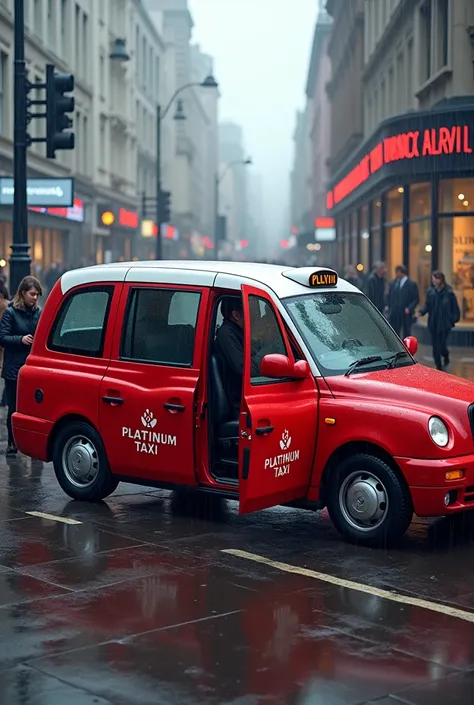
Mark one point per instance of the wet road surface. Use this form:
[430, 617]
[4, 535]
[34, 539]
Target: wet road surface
[146, 599]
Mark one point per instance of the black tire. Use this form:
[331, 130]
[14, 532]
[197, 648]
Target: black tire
[371, 473]
[100, 482]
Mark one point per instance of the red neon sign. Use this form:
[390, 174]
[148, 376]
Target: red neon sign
[128, 219]
[407, 145]
[324, 222]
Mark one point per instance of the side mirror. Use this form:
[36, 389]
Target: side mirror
[280, 366]
[411, 345]
[301, 369]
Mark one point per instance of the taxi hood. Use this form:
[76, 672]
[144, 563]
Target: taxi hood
[413, 386]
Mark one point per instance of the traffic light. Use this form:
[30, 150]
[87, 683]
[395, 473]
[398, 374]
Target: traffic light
[164, 207]
[58, 105]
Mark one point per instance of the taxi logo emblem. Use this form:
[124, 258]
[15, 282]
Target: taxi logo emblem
[285, 442]
[148, 419]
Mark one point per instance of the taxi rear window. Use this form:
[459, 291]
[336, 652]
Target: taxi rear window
[160, 326]
[79, 328]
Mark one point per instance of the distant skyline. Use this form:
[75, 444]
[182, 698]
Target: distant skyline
[261, 52]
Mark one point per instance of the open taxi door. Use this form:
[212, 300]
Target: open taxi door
[279, 415]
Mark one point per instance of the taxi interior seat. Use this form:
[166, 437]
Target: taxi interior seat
[225, 428]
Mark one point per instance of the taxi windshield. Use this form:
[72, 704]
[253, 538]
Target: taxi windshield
[343, 328]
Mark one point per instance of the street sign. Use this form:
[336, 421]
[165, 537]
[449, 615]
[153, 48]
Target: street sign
[49, 193]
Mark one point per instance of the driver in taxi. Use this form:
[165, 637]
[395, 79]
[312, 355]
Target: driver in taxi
[229, 348]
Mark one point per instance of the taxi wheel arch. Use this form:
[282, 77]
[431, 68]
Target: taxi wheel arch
[384, 481]
[104, 483]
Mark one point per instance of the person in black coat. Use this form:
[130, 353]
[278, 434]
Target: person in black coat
[375, 285]
[403, 298]
[443, 313]
[17, 328]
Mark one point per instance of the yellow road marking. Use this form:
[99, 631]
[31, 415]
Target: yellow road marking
[52, 517]
[351, 585]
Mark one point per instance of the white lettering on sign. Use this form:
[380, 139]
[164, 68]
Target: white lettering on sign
[147, 440]
[281, 463]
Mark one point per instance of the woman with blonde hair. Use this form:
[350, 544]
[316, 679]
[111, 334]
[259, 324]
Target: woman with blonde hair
[17, 328]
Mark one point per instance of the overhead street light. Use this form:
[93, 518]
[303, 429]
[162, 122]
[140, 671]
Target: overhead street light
[209, 82]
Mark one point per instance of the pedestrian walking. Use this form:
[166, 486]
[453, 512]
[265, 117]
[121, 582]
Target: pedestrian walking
[17, 328]
[351, 275]
[403, 298]
[375, 285]
[443, 313]
[4, 299]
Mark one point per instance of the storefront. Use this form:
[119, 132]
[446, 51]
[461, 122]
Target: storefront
[118, 233]
[49, 235]
[407, 197]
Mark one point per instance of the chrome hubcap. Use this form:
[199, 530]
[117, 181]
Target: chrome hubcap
[363, 501]
[80, 461]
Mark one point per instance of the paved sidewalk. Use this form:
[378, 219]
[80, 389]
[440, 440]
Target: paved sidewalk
[462, 361]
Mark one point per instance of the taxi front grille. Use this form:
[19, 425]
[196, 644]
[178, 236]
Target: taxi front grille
[469, 495]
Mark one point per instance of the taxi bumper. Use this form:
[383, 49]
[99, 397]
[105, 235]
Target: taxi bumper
[429, 486]
[31, 435]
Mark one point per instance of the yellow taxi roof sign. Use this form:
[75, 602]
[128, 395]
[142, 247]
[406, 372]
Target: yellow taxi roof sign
[322, 278]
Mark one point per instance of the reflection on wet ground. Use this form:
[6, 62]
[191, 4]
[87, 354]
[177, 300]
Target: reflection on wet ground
[138, 604]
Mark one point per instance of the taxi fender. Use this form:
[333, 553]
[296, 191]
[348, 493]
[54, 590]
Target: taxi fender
[398, 431]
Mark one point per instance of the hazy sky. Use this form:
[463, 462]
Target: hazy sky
[261, 50]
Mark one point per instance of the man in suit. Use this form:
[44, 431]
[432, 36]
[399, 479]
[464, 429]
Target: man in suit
[375, 285]
[403, 298]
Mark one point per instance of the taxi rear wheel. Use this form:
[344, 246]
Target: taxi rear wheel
[81, 464]
[368, 502]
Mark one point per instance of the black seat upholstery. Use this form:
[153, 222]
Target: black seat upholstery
[226, 427]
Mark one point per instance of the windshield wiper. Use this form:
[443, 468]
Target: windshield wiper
[363, 361]
[391, 361]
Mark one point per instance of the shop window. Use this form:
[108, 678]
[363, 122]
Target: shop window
[442, 33]
[394, 206]
[456, 260]
[376, 240]
[394, 249]
[376, 214]
[425, 41]
[420, 254]
[456, 196]
[364, 240]
[354, 236]
[420, 200]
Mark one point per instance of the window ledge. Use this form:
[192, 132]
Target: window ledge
[436, 78]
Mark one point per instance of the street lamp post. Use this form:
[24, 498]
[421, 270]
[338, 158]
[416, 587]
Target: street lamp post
[20, 260]
[209, 82]
[218, 181]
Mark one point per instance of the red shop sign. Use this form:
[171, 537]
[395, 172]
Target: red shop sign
[128, 219]
[416, 144]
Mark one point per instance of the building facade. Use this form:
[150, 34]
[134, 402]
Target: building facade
[115, 104]
[190, 145]
[406, 193]
[116, 96]
[232, 180]
[300, 176]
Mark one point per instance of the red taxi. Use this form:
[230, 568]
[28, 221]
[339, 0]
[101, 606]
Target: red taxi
[123, 383]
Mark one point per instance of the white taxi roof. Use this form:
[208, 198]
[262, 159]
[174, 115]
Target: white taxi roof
[282, 280]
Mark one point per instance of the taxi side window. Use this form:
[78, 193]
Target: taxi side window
[80, 327]
[266, 336]
[160, 326]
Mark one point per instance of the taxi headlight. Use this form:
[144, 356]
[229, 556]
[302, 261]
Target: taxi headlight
[438, 431]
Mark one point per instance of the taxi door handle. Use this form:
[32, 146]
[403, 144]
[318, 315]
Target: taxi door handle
[113, 400]
[262, 430]
[174, 407]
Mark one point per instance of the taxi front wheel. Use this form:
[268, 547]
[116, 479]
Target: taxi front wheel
[81, 464]
[367, 501]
